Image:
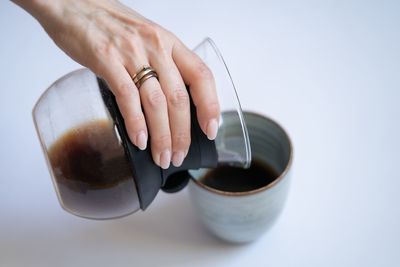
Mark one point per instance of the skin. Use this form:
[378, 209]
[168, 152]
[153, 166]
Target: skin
[115, 42]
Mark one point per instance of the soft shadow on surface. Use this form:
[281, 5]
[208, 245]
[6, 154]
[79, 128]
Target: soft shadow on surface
[170, 231]
[167, 234]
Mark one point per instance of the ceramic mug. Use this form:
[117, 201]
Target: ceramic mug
[244, 216]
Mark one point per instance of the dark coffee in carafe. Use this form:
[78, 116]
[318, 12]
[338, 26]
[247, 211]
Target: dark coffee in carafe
[91, 171]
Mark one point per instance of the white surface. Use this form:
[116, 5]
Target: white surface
[329, 71]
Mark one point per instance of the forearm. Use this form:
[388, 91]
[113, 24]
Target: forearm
[115, 42]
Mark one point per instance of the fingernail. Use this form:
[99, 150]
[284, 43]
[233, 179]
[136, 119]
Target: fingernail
[165, 159]
[141, 140]
[212, 129]
[177, 158]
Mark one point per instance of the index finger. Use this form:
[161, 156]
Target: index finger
[200, 80]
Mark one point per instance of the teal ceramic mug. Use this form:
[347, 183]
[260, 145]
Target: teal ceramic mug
[244, 216]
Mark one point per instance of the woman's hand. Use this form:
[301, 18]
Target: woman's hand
[115, 42]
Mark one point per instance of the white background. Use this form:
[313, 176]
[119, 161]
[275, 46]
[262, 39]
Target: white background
[328, 71]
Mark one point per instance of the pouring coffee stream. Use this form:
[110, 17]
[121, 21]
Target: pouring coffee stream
[97, 172]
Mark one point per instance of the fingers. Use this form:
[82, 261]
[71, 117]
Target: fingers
[166, 105]
[202, 88]
[128, 101]
[155, 108]
[178, 107]
[156, 112]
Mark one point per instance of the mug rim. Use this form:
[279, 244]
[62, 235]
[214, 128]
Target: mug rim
[269, 185]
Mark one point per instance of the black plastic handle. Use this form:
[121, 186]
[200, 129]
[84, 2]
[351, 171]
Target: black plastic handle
[176, 182]
[149, 178]
[202, 154]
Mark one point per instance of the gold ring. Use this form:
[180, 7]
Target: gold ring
[143, 68]
[145, 73]
[146, 77]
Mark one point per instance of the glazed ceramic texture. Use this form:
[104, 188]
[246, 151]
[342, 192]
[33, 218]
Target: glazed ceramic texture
[241, 217]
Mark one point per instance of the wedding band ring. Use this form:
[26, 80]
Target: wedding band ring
[144, 74]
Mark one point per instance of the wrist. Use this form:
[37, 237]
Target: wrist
[40, 8]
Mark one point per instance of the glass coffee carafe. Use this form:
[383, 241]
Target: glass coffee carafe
[97, 172]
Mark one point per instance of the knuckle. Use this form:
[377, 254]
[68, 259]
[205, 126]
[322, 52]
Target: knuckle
[151, 31]
[203, 72]
[135, 120]
[124, 90]
[179, 98]
[128, 42]
[211, 108]
[154, 35]
[132, 43]
[181, 139]
[102, 48]
[163, 140]
[156, 98]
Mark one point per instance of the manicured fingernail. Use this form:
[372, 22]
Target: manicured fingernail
[212, 129]
[165, 159]
[177, 158]
[141, 140]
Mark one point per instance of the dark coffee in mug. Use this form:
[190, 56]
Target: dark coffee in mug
[233, 179]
